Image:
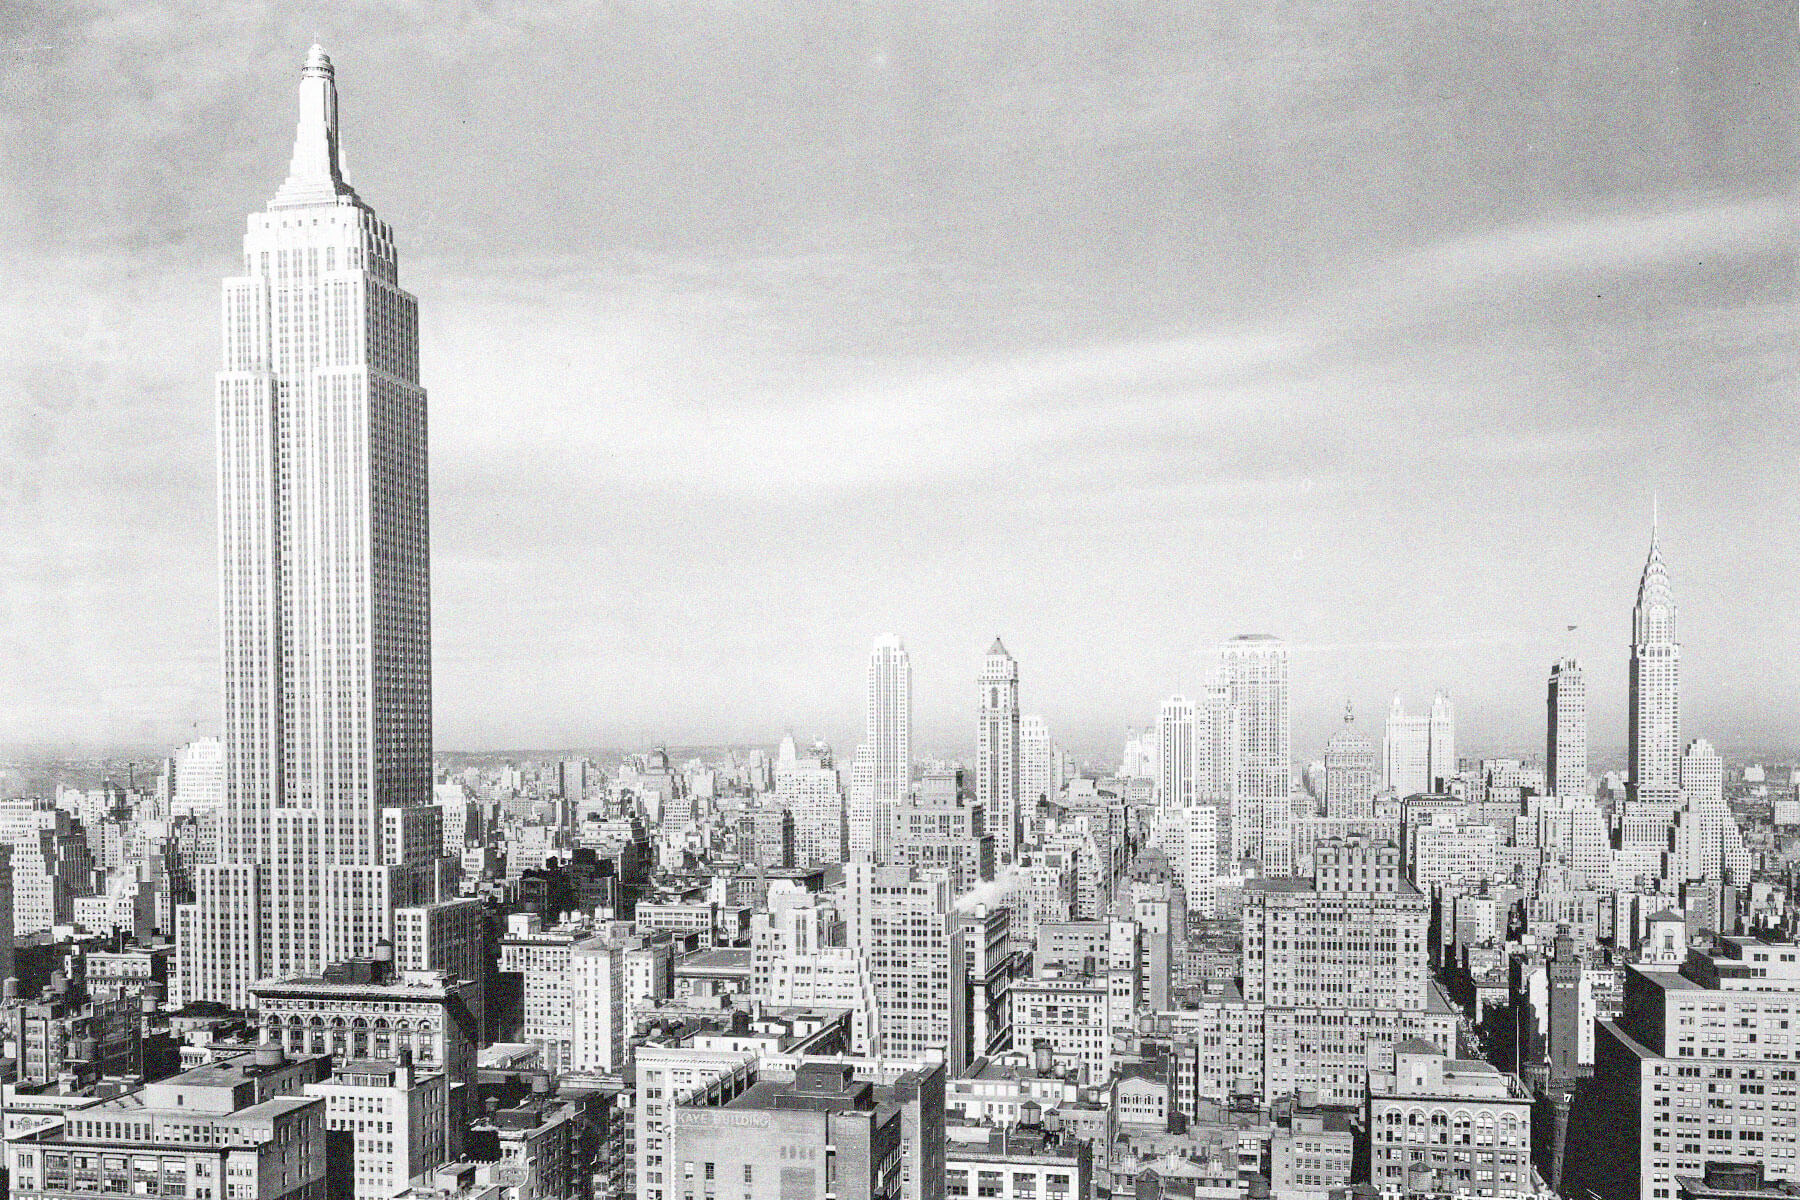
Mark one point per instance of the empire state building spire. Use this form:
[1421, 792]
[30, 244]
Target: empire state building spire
[324, 589]
[315, 173]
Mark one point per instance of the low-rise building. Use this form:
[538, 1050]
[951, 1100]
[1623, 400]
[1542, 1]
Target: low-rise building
[1069, 1016]
[391, 1121]
[532, 1147]
[1311, 1150]
[1443, 1126]
[243, 1129]
[1020, 1163]
[820, 1137]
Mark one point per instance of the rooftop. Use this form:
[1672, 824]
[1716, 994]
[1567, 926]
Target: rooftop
[722, 960]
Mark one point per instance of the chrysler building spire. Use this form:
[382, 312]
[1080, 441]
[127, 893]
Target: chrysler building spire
[315, 173]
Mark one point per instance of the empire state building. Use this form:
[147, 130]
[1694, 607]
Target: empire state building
[324, 588]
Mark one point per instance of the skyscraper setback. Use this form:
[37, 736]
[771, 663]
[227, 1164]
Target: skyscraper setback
[325, 622]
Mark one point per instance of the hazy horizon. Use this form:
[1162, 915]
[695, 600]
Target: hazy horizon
[754, 331]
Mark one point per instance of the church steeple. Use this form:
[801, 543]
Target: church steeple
[315, 173]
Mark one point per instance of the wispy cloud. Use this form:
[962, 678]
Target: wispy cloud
[1114, 333]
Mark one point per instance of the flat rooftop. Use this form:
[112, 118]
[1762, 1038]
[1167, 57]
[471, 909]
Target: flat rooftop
[722, 960]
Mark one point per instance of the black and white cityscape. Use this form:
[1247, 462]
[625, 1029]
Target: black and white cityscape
[910, 602]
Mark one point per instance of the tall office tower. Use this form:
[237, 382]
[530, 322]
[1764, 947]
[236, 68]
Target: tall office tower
[324, 584]
[1350, 772]
[1254, 671]
[1654, 751]
[1566, 745]
[1343, 968]
[1138, 761]
[1218, 744]
[1037, 765]
[905, 925]
[572, 777]
[997, 750]
[889, 724]
[1714, 846]
[1698, 1072]
[808, 787]
[1419, 752]
[1175, 753]
[865, 822]
[1255, 676]
[199, 777]
[881, 771]
[1199, 869]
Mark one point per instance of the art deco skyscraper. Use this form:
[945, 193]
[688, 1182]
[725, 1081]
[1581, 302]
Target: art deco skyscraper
[997, 750]
[1254, 671]
[324, 587]
[889, 725]
[1350, 772]
[881, 772]
[1419, 752]
[1566, 740]
[1255, 675]
[1175, 752]
[1654, 735]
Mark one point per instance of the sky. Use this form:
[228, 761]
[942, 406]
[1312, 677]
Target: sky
[755, 330]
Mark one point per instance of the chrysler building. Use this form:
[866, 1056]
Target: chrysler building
[1655, 732]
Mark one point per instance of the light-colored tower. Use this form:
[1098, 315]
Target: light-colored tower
[1419, 752]
[1255, 675]
[1254, 670]
[1712, 845]
[1218, 745]
[1566, 744]
[997, 750]
[1175, 752]
[1037, 763]
[889, 727]
[324, 586]
[1350, 778]
[1441, 741]
[1654, 735]
[881, 772]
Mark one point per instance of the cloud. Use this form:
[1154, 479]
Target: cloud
[1115, 331]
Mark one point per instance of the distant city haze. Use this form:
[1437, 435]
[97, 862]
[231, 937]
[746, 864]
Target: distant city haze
[754, 333]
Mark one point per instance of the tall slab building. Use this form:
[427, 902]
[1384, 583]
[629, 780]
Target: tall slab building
[1654, 735]
[881, 772]
[997, 750]
[1566, 728]
[324, 588]
[1254, 672]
